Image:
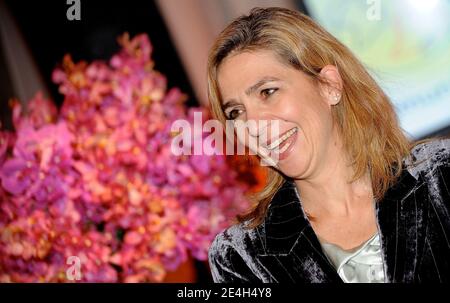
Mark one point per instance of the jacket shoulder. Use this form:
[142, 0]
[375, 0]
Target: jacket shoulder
[427, 156]
[230, 255]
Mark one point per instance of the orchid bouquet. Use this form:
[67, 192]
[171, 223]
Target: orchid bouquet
[96, 180]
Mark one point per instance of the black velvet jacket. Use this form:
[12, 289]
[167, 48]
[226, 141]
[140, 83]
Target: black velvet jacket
[413, 221]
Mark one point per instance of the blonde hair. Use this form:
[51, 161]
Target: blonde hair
[365, 117]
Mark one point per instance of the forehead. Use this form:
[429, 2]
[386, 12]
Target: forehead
[239, 71]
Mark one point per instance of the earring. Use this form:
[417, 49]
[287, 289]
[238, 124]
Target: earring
[337, 97]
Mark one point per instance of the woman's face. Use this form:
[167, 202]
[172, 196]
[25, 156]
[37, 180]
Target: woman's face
[288, 96]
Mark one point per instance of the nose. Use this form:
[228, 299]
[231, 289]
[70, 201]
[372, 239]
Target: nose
[262, 125]
[255, 130]
[256, 121]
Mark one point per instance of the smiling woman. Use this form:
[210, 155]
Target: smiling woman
[330, 209]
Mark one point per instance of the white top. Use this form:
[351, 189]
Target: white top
[362, 264]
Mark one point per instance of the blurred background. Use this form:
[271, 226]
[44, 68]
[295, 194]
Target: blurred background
[405, 44]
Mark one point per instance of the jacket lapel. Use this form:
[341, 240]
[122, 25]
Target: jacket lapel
[402, 216]
[290, 246]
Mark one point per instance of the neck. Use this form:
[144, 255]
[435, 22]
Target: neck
[328, 192]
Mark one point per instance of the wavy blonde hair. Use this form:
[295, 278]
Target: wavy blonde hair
[365, 116]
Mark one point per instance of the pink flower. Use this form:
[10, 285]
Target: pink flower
[98, 180]
[7, 140]
[17, 175]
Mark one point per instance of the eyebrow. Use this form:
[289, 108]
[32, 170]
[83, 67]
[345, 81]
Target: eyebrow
[250, 90]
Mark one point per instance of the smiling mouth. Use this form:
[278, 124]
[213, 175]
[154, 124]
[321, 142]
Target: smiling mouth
[283, 138]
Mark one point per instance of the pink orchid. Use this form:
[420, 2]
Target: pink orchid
[98, 181]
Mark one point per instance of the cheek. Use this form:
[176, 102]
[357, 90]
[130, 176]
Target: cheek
[244, 139]
[314, 121]
[315, 111]
[317, 121]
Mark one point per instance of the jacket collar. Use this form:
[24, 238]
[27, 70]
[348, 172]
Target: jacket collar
[285, 216]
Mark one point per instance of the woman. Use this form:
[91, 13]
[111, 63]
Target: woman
[349, 197]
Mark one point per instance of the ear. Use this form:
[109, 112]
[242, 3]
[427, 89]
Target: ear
[331, 90]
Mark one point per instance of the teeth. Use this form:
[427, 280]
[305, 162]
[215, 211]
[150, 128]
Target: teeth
[282, 139]
[283, 149]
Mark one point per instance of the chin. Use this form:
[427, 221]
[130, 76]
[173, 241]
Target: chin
[293, 165]
[290, 173]
[291, 168]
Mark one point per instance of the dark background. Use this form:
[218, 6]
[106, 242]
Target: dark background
[49, 35]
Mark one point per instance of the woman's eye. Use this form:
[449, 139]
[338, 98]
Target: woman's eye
[233, 114]
[268, 91]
